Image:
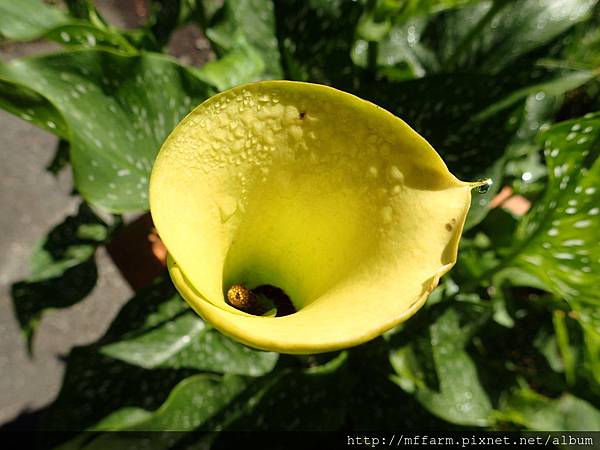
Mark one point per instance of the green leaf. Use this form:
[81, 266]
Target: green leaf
[167, 15]
[491, 35]
[558, 238]
[155, 346]
[377, 402]
[582, 47]
[63, 268]
[28, 19]
[316, 40]
[472, 119]
[216, 352]
[32, 19]
[190, 404]
[188, 407]
[156, 329]
[239, 66]
[118, 110]
[61, 158]
[536, 412]
[95, 386]
[439, 370]
[32, 107]
[85, 9]
[247, 24]
[296, 401]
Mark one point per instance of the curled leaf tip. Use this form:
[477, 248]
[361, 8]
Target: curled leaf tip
[482, 186]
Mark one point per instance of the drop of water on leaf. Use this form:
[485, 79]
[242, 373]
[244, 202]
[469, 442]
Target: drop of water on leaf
[483, 188]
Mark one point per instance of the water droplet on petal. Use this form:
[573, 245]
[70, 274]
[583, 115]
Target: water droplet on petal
[485, 186]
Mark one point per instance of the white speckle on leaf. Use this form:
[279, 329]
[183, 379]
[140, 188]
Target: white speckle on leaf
[573, 243]
[582, 224]
[563, 255]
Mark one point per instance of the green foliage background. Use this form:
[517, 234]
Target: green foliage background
[507, 89]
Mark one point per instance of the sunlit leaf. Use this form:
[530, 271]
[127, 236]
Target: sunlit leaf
[559, 236]
[31, 19]
[32, 107]
[490, 35]
[156, 329]
[117, 109]
[471, 119]
[536, 412]
[239, 66]
[247, 23]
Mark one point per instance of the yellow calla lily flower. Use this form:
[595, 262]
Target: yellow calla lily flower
[311, 190]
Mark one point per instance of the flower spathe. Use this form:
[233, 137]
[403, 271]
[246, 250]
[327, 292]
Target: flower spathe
[314, 191]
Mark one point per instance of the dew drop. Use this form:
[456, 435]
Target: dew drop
[485, 186]
[372, 172]
[582, 224]
[396, 174]
[387, 214]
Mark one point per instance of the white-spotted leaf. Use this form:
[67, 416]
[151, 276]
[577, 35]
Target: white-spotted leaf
[118, 110]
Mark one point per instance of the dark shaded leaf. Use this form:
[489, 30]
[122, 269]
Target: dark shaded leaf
[61, 158]
[316, 40]
[63, 268]
[96, 386]
[438, 370]
[167, 15]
